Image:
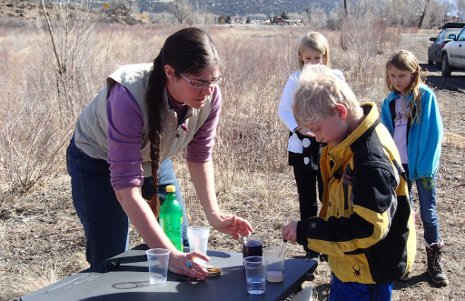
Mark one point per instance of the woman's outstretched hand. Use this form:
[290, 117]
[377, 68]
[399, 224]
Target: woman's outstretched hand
[231, 224]
[184, 264]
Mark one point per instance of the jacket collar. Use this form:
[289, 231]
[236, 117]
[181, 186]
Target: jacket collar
[341, 153]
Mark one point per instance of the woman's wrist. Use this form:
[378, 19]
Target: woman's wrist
[214, 218]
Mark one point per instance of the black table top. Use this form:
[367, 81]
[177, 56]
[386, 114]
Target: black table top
[127, 279]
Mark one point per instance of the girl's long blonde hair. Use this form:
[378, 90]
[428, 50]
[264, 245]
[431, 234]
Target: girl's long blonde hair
[317, 41]
[406, 61]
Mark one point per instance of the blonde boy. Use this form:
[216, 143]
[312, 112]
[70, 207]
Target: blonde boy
[366, 224]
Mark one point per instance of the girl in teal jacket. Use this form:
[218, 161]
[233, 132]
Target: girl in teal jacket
[411, 114]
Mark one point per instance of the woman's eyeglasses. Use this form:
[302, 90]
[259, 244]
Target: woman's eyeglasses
[202, 85]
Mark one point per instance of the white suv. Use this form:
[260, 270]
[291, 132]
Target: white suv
[453, 54]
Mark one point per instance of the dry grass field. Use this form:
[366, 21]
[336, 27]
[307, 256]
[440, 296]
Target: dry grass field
[42, 239]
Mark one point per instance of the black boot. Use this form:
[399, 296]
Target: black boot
[435, 269]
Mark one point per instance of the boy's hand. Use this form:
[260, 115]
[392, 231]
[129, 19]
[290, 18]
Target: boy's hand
[290, 231]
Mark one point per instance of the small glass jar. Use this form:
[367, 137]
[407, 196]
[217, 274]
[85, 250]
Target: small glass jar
[252, 246]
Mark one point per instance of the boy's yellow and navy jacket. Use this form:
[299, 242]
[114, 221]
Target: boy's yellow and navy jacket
[366, 224]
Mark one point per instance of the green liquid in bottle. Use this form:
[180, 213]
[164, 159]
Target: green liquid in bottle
[171, 218]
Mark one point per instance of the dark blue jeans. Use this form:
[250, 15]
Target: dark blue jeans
[106, 225]
[426, 188]
[353, 291]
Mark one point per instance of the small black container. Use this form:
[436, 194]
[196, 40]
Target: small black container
[252, 246]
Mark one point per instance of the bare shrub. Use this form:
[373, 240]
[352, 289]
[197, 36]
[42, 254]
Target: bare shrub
[250, 129]
[31, 135]
[69, 53]
[47, 84]
[32, 143]
[366, 43]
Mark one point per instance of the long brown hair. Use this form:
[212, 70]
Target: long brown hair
[406, 61]
[189, 50]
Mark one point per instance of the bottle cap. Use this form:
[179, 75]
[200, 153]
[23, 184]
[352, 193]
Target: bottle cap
[170, 188]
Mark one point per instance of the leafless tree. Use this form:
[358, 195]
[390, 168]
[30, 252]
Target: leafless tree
[316, 16]
[436, 14]
[423, 14]
[181, 9]
[461, 9]
[400, 13]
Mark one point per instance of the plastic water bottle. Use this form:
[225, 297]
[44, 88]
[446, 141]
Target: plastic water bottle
[171, 217]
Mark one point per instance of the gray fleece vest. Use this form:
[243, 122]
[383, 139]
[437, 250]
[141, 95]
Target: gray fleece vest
[92, 125]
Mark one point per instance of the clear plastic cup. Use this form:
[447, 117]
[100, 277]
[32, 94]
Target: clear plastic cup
[274, 257]
[158, 260]
[255, 274]
[198, 240]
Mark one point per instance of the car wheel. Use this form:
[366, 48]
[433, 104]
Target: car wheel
[437, 62]
[430, 57]
[446, 69]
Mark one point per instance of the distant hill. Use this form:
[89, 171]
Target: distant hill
[31, 9]
[243, 7]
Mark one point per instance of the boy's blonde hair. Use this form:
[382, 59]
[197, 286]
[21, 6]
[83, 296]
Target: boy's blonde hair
[316, 41]
[406, 61]
[318, 92]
